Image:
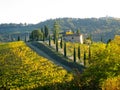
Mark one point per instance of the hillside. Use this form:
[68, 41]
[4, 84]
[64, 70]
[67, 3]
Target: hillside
[23, 69]
[105, 27]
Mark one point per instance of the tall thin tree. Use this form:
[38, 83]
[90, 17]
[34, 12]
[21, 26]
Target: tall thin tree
[46, 31]
[61, 42]
[84, 58]
[65, 50]
[56, 31]
[89, 53]
[79, 52]
[74, 54]
[49, 40]
[57, 44]
[18, 38]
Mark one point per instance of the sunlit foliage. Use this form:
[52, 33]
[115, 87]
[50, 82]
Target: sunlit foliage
[21, 68]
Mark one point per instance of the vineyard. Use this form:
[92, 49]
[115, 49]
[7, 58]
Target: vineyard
[102, 62]
[21, 68]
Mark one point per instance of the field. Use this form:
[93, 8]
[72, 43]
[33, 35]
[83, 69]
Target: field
[21, 68]
[102, 64]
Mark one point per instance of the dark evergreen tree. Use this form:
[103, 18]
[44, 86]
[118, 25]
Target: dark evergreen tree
[46, 31]
[43, 38]
[108, 41]
[49, 40]
[65, 50]
[54, 37]
[43, 34]
[84, 58]
[89, 53]
[79, 54]
[61, 43]
[18, 38]
[57, 44]
[101, 39]
[74, 54]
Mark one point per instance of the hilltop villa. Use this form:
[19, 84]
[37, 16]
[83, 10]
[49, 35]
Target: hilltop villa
[71, 37]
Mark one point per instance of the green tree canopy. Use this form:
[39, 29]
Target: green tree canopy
[36, 35]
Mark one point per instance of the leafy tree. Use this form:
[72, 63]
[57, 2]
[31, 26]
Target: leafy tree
[36, 35]
[89, 39]
[105, 65]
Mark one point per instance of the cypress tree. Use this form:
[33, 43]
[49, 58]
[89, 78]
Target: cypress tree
[56, 31]
[74, 54]
[57, 44]
[89, 54]
[84, 58]
[79, 54]
[54, 37]
[65, 50]
[18, 38]
[46, 31]
[108, 42]
[49, 40]
[42, 30]
[43, 37]
[61, 42]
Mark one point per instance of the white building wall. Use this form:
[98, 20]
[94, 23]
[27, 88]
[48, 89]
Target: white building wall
[74, 38]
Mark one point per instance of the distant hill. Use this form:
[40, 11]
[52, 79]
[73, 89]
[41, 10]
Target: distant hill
[105, 27]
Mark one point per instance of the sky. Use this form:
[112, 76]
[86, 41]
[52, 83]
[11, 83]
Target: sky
[35, 11]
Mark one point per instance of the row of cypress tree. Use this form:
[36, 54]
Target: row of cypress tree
[56, 38]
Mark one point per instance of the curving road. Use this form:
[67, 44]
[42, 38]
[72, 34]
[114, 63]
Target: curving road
[58, 59]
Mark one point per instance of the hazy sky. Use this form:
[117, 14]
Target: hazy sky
[35, 11]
